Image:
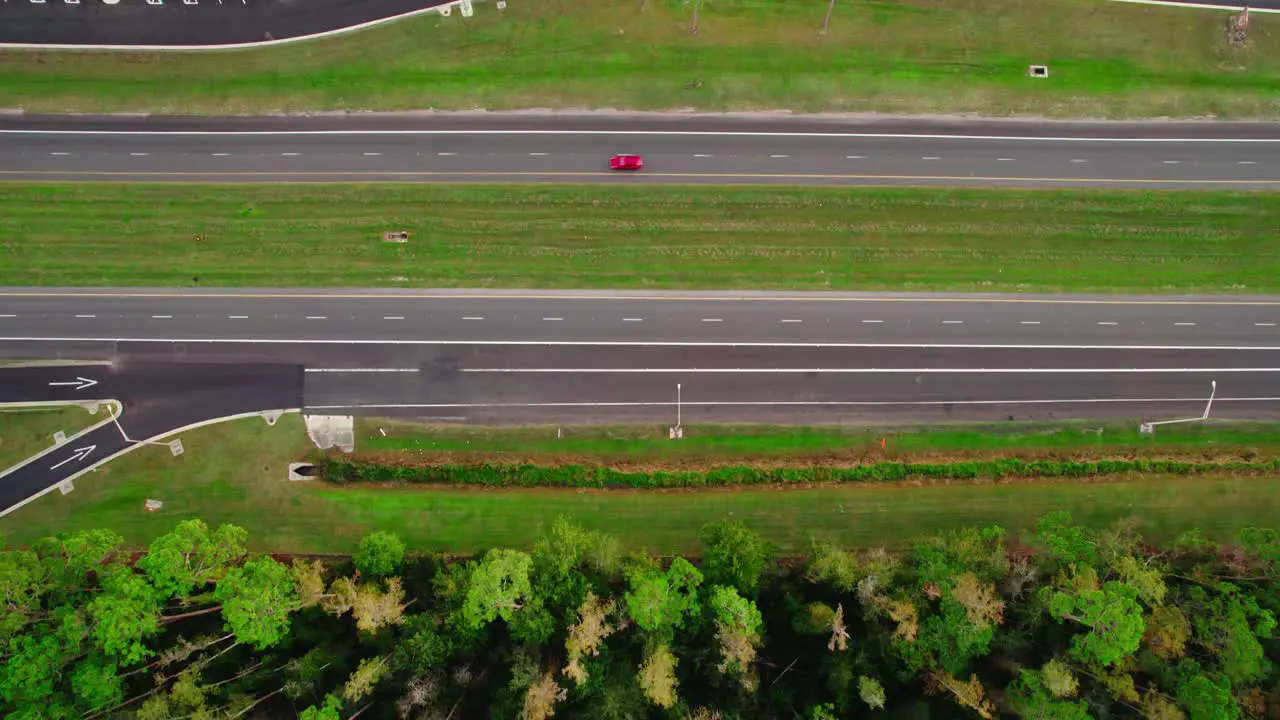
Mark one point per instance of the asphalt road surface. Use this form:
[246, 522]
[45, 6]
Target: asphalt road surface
[190, 23]
[176, 358]
[155, 398]
[719, 151]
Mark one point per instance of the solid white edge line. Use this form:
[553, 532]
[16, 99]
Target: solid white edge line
[361, 370]
[138, 444]
[653, 133]
[642, 343]
[875, 371]
[794, 403]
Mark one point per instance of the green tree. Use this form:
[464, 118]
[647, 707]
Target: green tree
[660, 602]
[499, 587]
[190, 556]
[1205, 697]
[738, 623]
[871, 692]
[97, 684]
[257, 599]
[734, 556]
[1030, 697]
[657, 676]
[380, 554]
[330, 710]
[1111, 613]
[828, 564]
[124, 615]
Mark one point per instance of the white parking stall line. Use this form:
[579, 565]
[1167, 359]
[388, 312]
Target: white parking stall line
[1107, 322]
[86, 316]
[1030, 322]
[220, 154]
[161, 317]
[1004, 159]
[446, 154]
[472, 317]
[552, 319]
[711, 320]
[539, 154]
[855, 157]
[290, 154]
[392, 317]
[1246, 162]
[7, 315]
[873, 322]
[371, 154]
[632, 319]
[702, 155]
[930, 157]
[952, 322]
[792, 320]
[1184, 324]
[1171, 162]
[139, 154]
[779, 156]
[1264, 324]
[1079, 160]
[317, 317]
[237, 317]
[60, 153]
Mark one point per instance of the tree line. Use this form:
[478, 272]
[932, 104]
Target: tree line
[1063, 623]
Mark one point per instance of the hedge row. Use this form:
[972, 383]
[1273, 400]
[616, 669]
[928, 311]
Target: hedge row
[581, 476]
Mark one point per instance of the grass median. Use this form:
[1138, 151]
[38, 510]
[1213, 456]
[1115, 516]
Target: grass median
[235, 472]
[1106, 59]
[27, 431]
[643, 236]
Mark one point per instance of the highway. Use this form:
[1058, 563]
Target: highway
[696, 150]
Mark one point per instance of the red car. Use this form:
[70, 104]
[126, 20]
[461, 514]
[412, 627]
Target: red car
[626, 162]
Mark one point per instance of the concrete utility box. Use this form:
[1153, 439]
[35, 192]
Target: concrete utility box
[1038, 71]
[395, 237]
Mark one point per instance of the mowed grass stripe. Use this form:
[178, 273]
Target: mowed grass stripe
[963, 56]
[579, 236]
[236, 472]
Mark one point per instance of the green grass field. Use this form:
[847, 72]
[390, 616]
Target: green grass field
[962, 56]
[236, 473]
[27, 431]
[745, 443]
[570, 236]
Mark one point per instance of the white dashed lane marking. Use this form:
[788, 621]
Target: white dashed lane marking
[371, 154]
[1005, 159]
[237, 317]
[931, 157]
[1246, 162]
[632, 319]
[472, 317]
[60, 153]
[712, 320]
[6, 315]
[552, 319]
[1079, 160]
[139, 154]
[220, 154]
[317, 317]
[1184, 324]
[1172, 162]
[702, 155]
[1107, 322]
[161, 317]
[392, 317]
[873, 322]
[452, 154]
[86, 316]
[779, 156]
[855, 157]
[792, 320]
[539, 154]
[1030, 322]
[1264, 324]
[290, 154]
[952, 322]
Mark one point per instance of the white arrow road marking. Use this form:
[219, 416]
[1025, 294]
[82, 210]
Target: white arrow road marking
[79, 383]
[79, 454]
